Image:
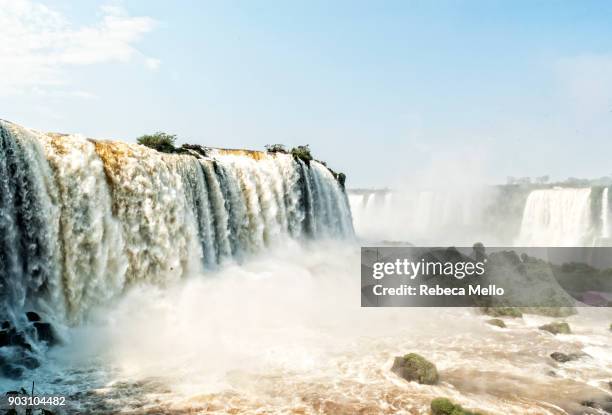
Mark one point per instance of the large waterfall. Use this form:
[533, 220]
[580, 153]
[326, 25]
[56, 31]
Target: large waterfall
[557, 217]
[81, 220]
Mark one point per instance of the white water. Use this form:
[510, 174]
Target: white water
[284, 333]
[605, 214]
[557, 217]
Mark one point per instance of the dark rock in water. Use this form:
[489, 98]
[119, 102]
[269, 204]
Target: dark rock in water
[19, 340]
[414, 367]
[11, 371]
[443, 406]
[45, 333]
[557, 327]
[562, 357]
[32, 316]
[604, 404]
[497, 322]
[28, 362]
[6, 325]
[5, 338]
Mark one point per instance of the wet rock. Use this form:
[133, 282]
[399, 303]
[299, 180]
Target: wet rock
[600, 405]
[443, 406]
[11, 371]
[563, 358]
[28, 362]
[5, 338]
[32, 316]
[502, 311]
[18, 339]
[45, 333]
[6, 325]
[497, 323]
[414, 367]
[557, 327]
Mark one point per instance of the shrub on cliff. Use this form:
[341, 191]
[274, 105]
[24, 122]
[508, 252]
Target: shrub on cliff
[275, 148]
[159, 141]
[302, 153]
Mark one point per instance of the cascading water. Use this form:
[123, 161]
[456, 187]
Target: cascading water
[81, 220]
[605, 227]
[557, 217]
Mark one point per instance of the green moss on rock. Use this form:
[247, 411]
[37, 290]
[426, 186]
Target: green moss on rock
[558, 327]
[497, 322]
[443, 406]
[414, 367]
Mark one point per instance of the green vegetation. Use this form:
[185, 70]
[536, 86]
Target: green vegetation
[414, 367]
[159, 141]
[302, 153]
[443, 406]
[276, 148]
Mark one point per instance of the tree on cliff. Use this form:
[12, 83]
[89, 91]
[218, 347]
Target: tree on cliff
[159, 141]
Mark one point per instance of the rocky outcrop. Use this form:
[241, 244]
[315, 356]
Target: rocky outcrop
[415, 368]
[443, 406]
[17, 353]
[558, 327]
[563, 358]
[497, 323]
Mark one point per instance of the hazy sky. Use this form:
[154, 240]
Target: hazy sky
[385, 91]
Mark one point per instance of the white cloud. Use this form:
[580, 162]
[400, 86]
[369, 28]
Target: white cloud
[38, 43]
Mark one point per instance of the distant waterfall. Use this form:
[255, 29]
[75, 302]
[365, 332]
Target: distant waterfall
[81, 220]
[605, 227]
[557, 217]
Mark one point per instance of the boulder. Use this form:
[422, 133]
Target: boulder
[443, 406]
[18, 339]
[5, 338]
[497, 322]
[32, 316]
[6, 325]
[28, 362]
[45, 333]
[558, 327]
[414, 367]
[11, 371]
[562, 357]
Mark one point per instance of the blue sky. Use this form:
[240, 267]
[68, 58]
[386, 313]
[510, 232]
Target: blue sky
[387, 92]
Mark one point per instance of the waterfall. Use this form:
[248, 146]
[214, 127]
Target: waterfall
[557, 217]
[82, 220]
[605, 227]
